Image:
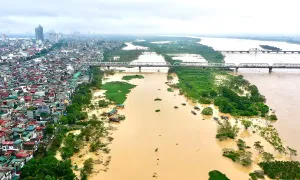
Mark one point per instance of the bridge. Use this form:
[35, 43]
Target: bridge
[257, 50]
[194, 64]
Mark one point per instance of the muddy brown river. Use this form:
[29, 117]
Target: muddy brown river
[171, 144]
[175, 144]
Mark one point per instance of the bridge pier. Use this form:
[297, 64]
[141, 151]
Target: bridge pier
[140, 68]
[236, 69]
[108, 67]
[270, 70]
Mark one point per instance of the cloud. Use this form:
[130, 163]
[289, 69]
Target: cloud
[152, 16]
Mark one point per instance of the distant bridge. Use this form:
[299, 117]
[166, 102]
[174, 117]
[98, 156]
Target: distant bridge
[194, 64]
[257, 50]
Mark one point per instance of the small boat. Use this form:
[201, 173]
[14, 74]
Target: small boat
[193, 112]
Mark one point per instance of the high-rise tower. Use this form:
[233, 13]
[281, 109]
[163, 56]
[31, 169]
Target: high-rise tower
[39, 33]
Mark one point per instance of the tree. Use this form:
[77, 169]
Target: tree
[241, 144]
[226, 130]
[88, 166]
[258, 146]
[50, 129]
[292, 152]
[217, 175]
[63, 120]
[267, 157]
[169, 78]
[207, 111]
[246, 124]
[47, 168]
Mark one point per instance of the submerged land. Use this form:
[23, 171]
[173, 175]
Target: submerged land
[195, 123]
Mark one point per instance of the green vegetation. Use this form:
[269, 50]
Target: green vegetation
[201, 86]
[246, 124]
[169, 78]
[170, 90]
[117, 91]
[157, 110]
[292, 152]
[103, 104]
[242, 157]
[207, 111]
[270, 134]
[217, 175]
[226, 130]
[242, 144]
[72, 144]
[271, 48]
[273, 117]
[183, 45]
[281, 169]
[259, 147]
[125, 55]
[267, 157]
[88, 166]
[47, 168]
[257, 175]
[157, 99]
[127, 78]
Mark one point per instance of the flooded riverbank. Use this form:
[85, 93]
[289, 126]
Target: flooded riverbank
[280, 87]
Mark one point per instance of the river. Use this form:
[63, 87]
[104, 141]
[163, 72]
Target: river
[174, 143]
[171, 144]
[281, 87]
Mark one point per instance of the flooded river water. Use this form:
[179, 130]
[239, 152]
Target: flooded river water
[171, 144]
[281, 87]
[175, 144]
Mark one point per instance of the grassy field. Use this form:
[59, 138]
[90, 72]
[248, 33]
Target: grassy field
[130, 77]
[117, 91]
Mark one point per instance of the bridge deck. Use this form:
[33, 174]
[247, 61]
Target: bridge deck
[193, 64]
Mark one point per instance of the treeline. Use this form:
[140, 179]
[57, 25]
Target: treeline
[82, 98]
[200, 85]
[271, 48]
[281, 169]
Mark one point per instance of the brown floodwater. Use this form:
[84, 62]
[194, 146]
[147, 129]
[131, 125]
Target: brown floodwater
[168, 145]
[281, 89]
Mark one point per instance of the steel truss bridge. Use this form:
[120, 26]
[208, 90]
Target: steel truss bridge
[194, 64]
[256, 50]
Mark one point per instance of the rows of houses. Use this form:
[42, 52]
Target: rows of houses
[34, 93]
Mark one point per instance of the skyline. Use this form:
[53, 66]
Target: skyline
[144, 17]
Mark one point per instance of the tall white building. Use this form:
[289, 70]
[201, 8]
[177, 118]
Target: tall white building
[55, 37]
[3, 37]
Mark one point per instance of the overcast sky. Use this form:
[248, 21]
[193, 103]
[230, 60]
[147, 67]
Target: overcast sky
[152, 16]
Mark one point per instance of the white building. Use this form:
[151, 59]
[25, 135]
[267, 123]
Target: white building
[3, 37]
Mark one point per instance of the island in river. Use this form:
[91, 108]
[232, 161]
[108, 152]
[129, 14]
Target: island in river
[270, 48]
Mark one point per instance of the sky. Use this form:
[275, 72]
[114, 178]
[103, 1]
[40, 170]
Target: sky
[167, 17]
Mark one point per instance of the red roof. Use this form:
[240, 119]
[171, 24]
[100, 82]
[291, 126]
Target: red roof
[29, 143]
[27, 98]
[8, 143]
